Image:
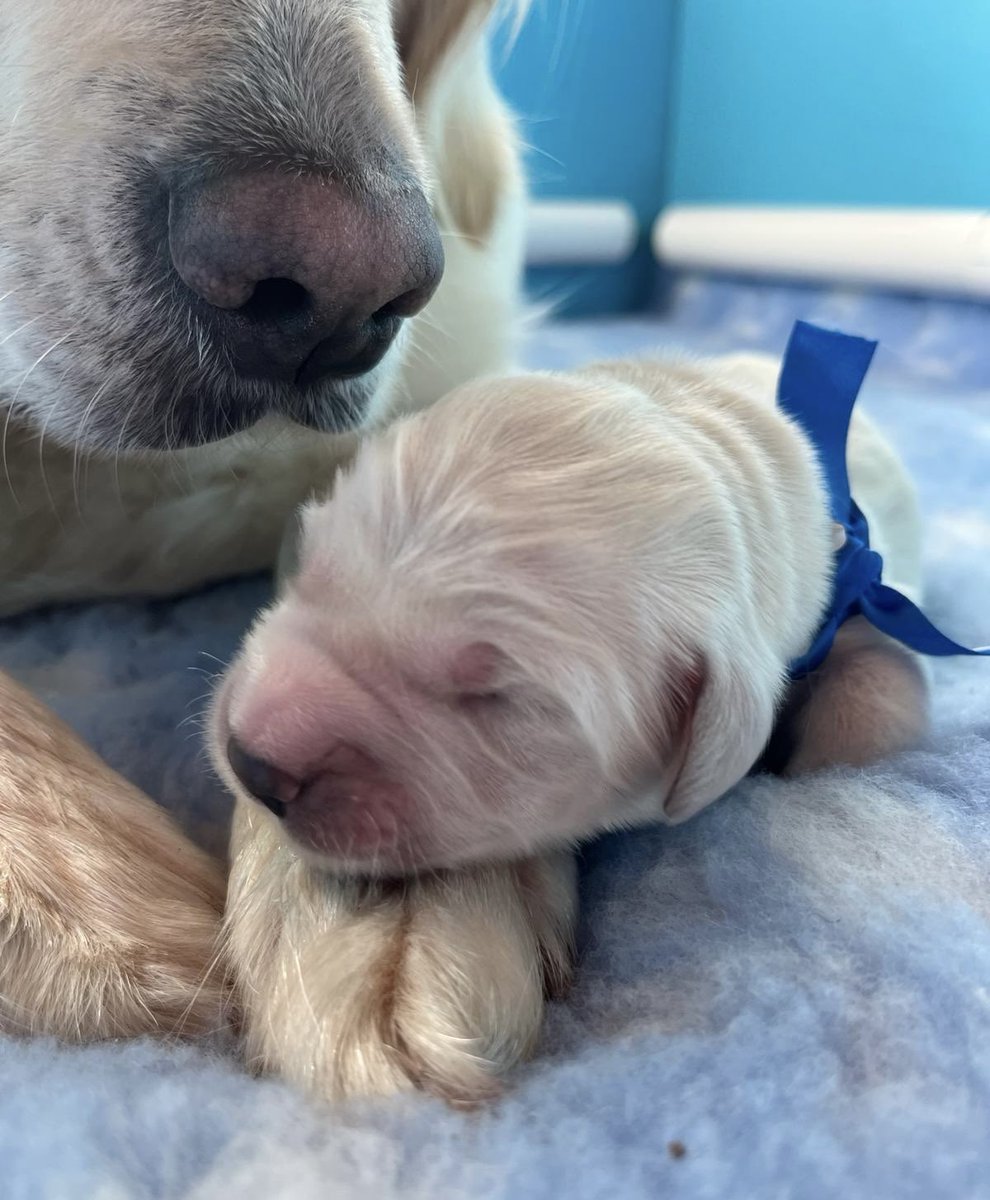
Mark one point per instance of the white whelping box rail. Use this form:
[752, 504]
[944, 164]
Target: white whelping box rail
[579, 233]
[926, 250]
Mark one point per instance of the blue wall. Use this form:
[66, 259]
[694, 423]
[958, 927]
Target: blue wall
[591, 81]
[833, 102]
[749, 101]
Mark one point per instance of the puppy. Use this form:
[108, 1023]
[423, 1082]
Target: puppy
[548, 607]
[222, 220]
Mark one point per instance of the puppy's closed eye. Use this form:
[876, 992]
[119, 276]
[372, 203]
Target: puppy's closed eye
[475, 670]
[470, 679]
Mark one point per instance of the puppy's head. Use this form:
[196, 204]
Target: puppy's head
[213, 211]
[509, 629]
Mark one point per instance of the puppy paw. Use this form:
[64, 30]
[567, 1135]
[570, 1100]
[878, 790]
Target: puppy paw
[482, 951]
[868, 700]
[368, 987]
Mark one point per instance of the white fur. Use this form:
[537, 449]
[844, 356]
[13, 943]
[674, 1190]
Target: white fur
[638, 550]
[108, 915]
[77, 525]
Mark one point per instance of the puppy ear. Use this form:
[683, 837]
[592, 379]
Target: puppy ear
[725, 713]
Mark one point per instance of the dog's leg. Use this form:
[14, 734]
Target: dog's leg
[109, 917]
[361, 987]
[867, 700]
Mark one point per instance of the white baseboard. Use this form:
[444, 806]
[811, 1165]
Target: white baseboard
[930, 250]
[578, 233]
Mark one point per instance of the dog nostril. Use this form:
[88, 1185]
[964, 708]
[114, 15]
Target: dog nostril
[349, 357]
[406, 305]
[277, 300]
[274, 788]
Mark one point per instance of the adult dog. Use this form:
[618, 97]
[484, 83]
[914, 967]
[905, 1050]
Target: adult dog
[220, 219]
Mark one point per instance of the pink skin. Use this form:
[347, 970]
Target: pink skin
[312, 721]
[430, 690]
[493, 647]
[385, 754]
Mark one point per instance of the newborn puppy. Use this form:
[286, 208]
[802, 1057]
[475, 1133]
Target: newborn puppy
[546, 607]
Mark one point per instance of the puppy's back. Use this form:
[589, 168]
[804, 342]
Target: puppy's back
[881, 485]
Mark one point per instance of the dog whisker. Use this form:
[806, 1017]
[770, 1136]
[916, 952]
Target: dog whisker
[118, 491]
[96, 224]
[3, 454]
[42, 469]
[79, 441]
[219, 661]
[207, 975]
[20, 328]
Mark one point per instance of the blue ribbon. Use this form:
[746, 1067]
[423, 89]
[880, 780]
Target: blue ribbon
[819, 383]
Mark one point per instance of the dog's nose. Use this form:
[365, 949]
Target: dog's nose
[303, 278]
[264, 781]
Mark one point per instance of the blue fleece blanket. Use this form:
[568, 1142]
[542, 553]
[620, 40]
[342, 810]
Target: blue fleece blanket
[789, 996]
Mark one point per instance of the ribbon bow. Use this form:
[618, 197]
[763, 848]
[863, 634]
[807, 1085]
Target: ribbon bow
[819, 383]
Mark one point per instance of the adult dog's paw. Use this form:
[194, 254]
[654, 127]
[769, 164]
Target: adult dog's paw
[356, 987]
[109, 916]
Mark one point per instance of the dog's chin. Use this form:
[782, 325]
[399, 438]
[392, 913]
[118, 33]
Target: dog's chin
[349, 852]
[362, 851]
[352, 851]
[196, 420]
[224, 405]
[138, 413]
[373, 866]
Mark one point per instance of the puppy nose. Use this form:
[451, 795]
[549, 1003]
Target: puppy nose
[274, 787]
[303, 279]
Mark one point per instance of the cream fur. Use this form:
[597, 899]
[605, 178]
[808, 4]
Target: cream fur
[77, 525]
[107, 914]
[641, 548]
[109, 918]
[354, 986]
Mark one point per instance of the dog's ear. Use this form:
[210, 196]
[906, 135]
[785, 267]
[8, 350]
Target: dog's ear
[427, 29]
[724, 711]
[444, 54]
